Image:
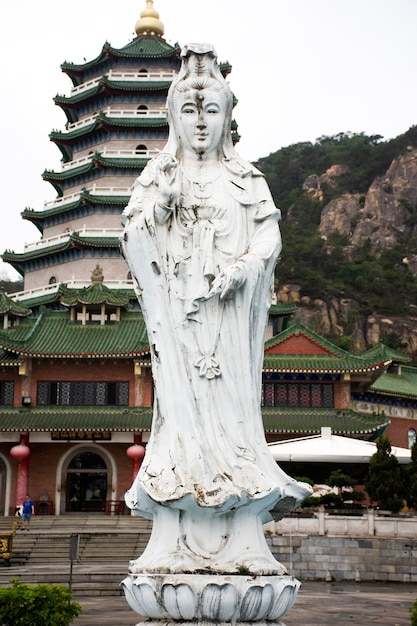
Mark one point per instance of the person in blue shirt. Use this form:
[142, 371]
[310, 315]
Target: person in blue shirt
[28, 509]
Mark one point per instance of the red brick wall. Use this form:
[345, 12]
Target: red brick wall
[297, 344]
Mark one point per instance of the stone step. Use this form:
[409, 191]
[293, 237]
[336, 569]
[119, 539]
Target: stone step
[107, 544]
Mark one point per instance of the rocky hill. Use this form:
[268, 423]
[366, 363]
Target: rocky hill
[349, 228]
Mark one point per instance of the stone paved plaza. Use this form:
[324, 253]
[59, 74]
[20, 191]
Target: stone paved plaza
[318, 603]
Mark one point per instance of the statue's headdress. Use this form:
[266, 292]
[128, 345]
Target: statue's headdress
[199, 70]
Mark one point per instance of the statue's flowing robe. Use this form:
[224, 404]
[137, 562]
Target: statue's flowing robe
[207, 435]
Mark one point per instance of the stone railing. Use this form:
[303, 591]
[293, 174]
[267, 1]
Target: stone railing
[125, 76]
[73, 284]
[94, 190]
[82, 232]
[367, 523]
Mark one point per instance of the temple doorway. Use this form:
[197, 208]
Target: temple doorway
[86, 483]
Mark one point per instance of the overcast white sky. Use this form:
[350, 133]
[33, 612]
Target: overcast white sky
[301, 69]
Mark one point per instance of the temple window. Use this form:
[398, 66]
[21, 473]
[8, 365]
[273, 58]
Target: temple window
[411, 437]
[82, 393]
[314, 395]
[6, 393]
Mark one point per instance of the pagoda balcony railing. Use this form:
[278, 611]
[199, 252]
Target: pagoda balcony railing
[111, 154]
[126, 76]
[135, 112]
[94, 190]
[38, 292]
[82, 232]
[117, 113]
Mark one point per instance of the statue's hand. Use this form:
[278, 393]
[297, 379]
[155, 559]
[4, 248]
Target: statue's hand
[168, 180]
[228, 283]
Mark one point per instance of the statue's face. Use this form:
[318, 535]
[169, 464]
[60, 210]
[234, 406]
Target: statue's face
[201, 120]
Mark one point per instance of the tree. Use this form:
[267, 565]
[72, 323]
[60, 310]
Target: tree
[410, 471]
[385, 481]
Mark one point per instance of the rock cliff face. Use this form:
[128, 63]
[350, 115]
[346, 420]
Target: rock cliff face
[337, 318]
[386, 216]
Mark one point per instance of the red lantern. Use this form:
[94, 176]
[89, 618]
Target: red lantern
[20, 452]
[136, 452]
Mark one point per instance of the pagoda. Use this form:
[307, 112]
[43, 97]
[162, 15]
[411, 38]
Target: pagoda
[116, 121]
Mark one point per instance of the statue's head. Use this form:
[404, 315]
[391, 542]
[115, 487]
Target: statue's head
[200, 89]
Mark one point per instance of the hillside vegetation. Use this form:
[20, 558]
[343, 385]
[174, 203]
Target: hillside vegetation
[375, 276]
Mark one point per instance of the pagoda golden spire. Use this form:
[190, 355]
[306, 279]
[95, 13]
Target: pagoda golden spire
[149, 22]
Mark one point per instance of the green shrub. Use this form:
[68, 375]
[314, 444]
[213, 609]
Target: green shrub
[43, 605]
[413, 613]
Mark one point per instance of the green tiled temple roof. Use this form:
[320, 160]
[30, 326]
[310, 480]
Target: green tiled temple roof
[81, 418]
[389, 353]
[322, 363]
[9, 360]
[283, 308]
[12, 307]
[96, 293]
[310, 421]
[335, 360]
[402, 385]
[52, 335]
[85, 418]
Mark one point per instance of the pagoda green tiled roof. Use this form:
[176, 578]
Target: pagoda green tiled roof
[142, 47]
[76, 98]
[97, 159]
[106, 85]
[51, 175]
[402, 384]
[106, 121]
[75, 418]
[95, 242]
[147, 47]
[85, 198]
[52, 335]
[74, 240]
[15, 258]
[310, 421]
[131, 85]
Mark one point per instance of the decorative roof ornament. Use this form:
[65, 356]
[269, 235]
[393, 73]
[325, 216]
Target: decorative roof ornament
[97, 275]
[149, 22]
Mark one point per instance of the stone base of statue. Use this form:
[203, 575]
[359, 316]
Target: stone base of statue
[205, 598]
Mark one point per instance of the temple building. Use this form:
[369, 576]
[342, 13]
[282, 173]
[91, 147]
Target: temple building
[75, 381]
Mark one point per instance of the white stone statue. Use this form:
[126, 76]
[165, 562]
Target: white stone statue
[201, 239]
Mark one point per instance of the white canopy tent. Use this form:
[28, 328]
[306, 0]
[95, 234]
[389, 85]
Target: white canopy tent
[329, 448]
